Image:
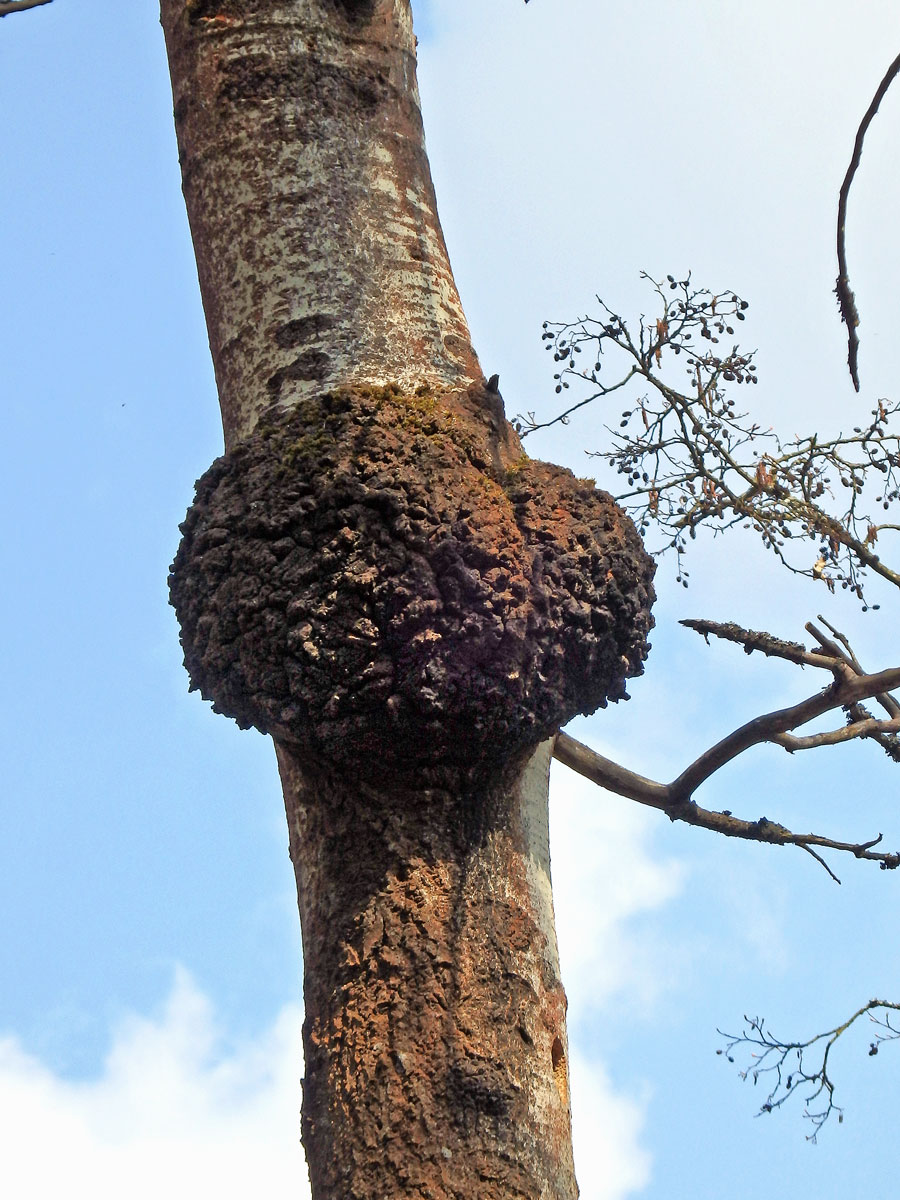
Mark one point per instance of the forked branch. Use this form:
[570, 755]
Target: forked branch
[850, 686]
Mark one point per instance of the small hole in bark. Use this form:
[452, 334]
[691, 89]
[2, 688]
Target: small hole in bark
[560, 1070]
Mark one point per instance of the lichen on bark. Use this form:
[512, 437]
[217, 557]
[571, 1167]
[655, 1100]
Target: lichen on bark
[385, 583]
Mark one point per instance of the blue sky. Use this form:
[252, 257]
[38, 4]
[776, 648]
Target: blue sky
[149, 955]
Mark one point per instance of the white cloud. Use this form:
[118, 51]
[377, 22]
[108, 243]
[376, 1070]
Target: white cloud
[171, 1115]
[175, 1114]
[604, 880]
[610, 1161]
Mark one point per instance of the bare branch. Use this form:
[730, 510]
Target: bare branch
[786, 1064]
[849, 687]
[861, 728]
[839, 658]
[618, 779]
[524, 425]
[845, 652]
[846, 299]
[765, 728]
[690, 460]
[11, 6]
[610, 775]
[889, 742]
[838, 648]
[752, 639]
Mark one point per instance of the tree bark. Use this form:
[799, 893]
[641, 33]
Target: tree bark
[435, 1042]
[376, 574]
[320, 254]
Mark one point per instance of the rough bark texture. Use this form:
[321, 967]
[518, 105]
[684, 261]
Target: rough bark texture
[319, 250]
[436, 1056]
[367, 581]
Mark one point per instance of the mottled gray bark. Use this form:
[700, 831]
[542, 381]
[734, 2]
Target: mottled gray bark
[318, 245]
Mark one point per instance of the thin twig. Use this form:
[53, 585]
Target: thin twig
[846, 299]
[689, 460]
[786, 1067]
[821, 861]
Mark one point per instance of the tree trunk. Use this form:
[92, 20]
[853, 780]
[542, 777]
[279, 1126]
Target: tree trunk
[376, 574]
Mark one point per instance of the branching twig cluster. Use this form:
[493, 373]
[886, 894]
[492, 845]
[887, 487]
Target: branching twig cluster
[802, 1068]
[690, 459]
[790, 1068]
[850, 686]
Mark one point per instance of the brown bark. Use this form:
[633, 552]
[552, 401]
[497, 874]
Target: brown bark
[409, 618]
[367, 582]
[434, 1037]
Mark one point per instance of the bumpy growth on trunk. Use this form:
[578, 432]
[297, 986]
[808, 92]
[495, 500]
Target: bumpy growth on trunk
[368, 582]
[376, 574]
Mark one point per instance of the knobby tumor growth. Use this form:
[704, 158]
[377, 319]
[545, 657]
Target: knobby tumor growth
[381, 582]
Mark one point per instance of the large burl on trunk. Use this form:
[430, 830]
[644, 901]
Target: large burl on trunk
[387, 584]
[377, 575]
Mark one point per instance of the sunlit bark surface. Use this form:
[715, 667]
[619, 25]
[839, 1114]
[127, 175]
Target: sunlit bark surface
[318, 245]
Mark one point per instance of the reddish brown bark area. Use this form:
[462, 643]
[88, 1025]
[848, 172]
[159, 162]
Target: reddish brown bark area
[384, 584]
[388, 585]
[435, 1019]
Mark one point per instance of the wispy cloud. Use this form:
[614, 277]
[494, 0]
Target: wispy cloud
[610, 1160]
[176, 1112]
[178, 1109]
